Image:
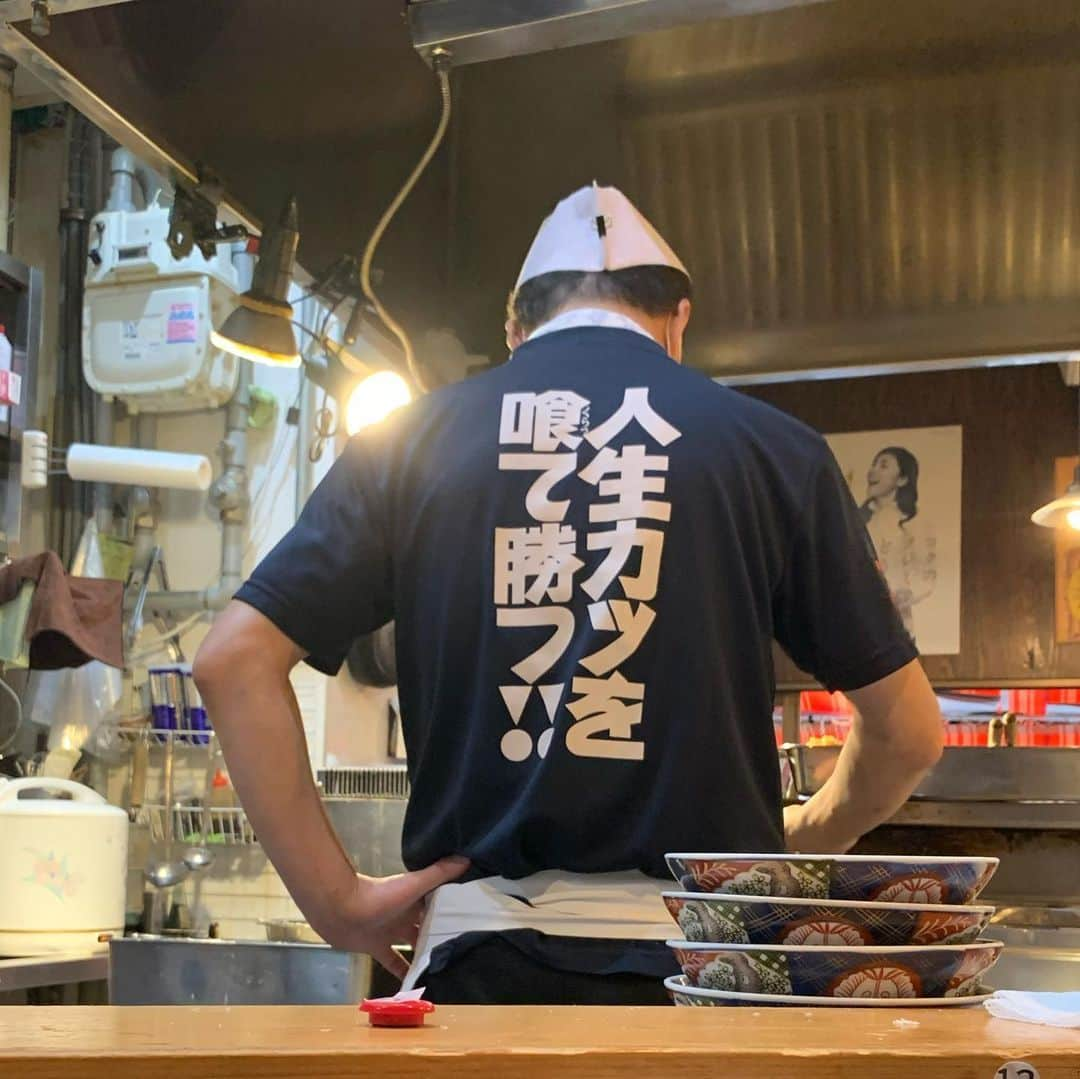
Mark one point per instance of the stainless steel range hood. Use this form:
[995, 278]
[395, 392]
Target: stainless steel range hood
[477, 30]
[856, 187]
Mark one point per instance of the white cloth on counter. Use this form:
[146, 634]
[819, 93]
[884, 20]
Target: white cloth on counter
[1050, 1009]
[616, 906]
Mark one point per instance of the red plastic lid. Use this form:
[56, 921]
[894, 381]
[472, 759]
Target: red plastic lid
[388, 1012]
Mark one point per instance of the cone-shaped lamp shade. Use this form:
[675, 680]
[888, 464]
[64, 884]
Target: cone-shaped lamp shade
[260, 328]
[1063, 512]
[258, 334]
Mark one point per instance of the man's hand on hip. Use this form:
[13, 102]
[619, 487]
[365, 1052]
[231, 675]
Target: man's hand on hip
[242, 671]
[386, 911]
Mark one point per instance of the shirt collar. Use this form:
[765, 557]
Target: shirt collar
[589, 316]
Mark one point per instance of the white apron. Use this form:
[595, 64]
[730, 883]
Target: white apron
[617, 906]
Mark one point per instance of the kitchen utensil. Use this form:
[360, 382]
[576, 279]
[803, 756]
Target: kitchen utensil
[140, 766]
[942, 970]
[686, 995]
[745, 919]
[64, 867]
[164, 872]
[870, 877]
[199, 855]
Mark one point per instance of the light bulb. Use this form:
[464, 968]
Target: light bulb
[1072, 518]
[374, 399]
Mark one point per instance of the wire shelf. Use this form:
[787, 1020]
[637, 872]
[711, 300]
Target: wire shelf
[228, 827]
[160, 736]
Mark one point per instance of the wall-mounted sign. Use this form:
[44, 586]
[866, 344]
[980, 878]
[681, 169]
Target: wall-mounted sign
[907, 484]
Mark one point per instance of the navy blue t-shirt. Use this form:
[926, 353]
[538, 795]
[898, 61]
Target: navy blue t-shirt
[587, 553]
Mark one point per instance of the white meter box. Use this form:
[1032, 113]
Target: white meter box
[149, 344]
[147, 317]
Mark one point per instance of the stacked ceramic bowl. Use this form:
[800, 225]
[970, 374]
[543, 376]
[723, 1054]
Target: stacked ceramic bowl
[867, 930]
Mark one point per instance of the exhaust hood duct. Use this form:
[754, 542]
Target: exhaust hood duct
[856, 187]
[477, 30]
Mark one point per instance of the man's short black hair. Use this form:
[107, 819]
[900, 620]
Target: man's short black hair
[656, 290]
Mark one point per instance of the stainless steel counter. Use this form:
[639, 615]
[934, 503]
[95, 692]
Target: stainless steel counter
[163, 970]
[35, 971]
[1037, 958]
[974, 775]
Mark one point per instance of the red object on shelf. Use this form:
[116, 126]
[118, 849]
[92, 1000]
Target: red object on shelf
[820, 703]
[389, 1012]
[10, 386]
[1027, 702]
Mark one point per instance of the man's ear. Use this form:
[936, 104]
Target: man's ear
[677, 330]
[515, 334]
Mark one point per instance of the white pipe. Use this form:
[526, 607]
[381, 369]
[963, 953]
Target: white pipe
[7, 83]
[230, 495]
[141, 468]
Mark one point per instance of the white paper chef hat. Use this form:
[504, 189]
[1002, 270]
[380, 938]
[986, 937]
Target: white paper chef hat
[596, 228]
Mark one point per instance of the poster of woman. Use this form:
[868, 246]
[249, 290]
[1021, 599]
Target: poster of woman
[907, 484]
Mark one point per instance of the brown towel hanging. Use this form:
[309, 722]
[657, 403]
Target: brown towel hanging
[72, 619]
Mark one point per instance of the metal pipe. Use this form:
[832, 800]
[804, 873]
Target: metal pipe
[7, 82]
[173, 605]
[122, 187]
[230, 496]
[103, 493]
[141, 504]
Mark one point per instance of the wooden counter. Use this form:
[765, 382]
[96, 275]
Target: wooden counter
[532, 1043]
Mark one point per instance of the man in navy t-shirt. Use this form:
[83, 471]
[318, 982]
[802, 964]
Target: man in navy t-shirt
[587, 553]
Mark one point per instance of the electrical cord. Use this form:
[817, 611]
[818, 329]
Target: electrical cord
[325, 422]
[326, 428]
[441, 62]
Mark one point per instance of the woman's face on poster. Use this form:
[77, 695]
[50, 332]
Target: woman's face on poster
[884, 477]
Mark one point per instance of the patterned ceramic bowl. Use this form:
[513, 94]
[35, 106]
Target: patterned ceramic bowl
[869, 877]
[746, 919]
[689, 996]
[950, 970]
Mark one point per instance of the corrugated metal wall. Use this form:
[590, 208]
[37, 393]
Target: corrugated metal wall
[953, 193]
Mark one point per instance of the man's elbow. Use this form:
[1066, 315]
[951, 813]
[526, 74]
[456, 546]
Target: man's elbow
[225, 662]
[923, 744]
[210, 668]
[931, 747]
